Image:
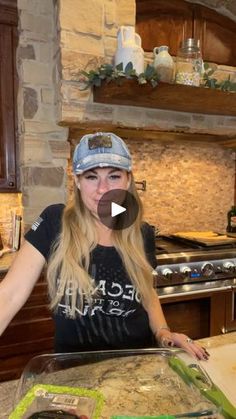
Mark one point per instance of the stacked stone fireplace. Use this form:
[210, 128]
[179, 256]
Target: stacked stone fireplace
[189, 184]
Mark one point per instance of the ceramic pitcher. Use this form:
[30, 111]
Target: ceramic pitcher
[163, 63]
[129, 49]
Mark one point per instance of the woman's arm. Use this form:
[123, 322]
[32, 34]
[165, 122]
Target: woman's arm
[162, 333]
[17, 285]
[156, 316]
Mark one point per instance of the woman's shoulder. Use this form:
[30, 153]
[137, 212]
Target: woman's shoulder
[50, 217]
[54, 210]
[45, 229]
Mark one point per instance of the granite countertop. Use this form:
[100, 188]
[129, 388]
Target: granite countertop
[141, 374]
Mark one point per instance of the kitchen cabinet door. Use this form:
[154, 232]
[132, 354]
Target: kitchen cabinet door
[8, 84]
[197, 315]
[168, 22]
[163, 22]
[217, 36]
[30, 333]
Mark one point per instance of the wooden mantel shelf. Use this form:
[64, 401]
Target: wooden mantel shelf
[174, 97]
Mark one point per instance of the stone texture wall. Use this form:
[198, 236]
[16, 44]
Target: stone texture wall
[43, 147]
[43, 150]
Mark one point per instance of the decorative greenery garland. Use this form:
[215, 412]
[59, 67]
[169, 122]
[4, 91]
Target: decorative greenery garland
[225, 85]
[108, 73]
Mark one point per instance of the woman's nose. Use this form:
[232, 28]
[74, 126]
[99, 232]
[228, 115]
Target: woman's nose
[103, 186]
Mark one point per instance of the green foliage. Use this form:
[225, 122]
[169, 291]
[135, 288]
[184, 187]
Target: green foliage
[210, 81]
[107, 73]
[117, 74]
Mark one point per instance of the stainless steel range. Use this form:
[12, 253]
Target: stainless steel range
[185, 266]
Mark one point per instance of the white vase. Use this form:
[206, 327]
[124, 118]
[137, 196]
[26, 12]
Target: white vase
[129, 49]
[163, 64]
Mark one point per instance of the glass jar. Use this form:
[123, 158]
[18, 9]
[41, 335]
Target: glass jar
[189, 64]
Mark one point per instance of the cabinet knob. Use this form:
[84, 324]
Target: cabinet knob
[11, 184]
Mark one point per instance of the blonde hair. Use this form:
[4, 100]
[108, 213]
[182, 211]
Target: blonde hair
[70, 257]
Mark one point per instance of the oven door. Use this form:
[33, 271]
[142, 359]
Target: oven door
[197, 314]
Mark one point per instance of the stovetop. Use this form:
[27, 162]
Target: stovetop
[170, 249]
[183, 264]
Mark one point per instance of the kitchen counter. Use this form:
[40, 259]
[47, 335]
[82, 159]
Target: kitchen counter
[215, 341]
[7, 389]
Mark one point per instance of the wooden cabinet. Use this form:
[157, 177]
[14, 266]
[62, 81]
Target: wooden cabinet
[217, 36]
[168, 22]
[30, 333]
[198, 315]
[8, 88]
[163, 22]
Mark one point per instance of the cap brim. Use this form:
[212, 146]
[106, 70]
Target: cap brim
[102, 165]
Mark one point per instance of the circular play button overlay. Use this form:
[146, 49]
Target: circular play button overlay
[117, 209]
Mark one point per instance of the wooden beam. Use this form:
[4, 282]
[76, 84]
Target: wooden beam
[229, 143]
[76, 131]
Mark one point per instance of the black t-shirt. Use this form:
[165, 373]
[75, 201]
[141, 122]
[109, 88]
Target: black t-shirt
[116, 318]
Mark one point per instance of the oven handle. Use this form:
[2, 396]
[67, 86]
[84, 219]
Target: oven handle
[186, 293]
[232, 303]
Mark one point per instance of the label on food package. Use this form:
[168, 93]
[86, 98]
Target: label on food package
[47, 401]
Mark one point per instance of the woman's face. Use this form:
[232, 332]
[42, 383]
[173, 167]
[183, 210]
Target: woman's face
[94, 183]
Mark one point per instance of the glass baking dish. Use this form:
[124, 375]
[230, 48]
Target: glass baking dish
[127, 384]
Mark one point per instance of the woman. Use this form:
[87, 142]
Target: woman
[99, 274]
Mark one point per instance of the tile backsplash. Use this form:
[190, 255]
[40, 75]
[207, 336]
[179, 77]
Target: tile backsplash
[189, 186]
[10, 202]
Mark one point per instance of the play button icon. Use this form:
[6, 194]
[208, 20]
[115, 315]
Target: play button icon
[118, 209]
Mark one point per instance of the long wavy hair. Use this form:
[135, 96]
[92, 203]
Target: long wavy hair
[68, 266]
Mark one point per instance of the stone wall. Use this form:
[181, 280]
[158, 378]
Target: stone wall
[43, 150]
[43, 146]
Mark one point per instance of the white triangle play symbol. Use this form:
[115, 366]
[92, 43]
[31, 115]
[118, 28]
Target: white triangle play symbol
[116, 209]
